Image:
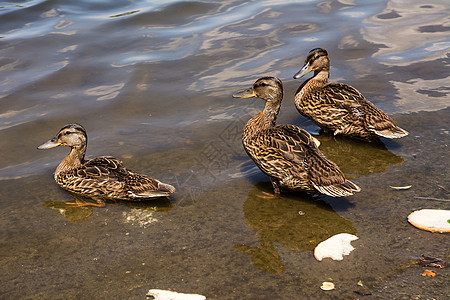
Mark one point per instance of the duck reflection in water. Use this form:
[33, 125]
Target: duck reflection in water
[355, 157]
[294, 224]
[81, 208]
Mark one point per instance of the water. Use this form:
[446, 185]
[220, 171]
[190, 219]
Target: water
[151, 81]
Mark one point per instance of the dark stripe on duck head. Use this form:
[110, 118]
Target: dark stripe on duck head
[267, 81]
[76, 128]
[315, 54]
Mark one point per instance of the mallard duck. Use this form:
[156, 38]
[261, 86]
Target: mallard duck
[288, 154]
[101, 177]
[338, 107]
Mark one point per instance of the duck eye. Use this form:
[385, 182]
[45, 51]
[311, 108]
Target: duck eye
[67, 133]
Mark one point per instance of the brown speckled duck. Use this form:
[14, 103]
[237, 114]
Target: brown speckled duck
[286, 153]
[101, 177]
[337, 107]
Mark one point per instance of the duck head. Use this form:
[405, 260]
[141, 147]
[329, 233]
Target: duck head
[317, 60]
[72, 135]
[267, 88]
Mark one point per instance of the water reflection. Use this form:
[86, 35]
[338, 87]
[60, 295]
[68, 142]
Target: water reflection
[70, 212]
[355, 157]
[402, 28]
[415, 42]
[81, 208]
[296, 222]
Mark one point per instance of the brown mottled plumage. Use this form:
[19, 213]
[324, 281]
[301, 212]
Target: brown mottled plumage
[286, 153]
[102, 177]
[338, 107]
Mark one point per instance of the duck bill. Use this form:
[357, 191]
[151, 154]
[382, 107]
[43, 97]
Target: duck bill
[49, 144]
[305, 70]
[250, 93]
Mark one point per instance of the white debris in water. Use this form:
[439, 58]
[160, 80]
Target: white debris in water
[327, 286]
[142, 218]
[434, 220]
[335, 247]
[407, 187]
[169, 295]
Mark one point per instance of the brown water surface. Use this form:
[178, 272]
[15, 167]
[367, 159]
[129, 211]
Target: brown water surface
[152, 81]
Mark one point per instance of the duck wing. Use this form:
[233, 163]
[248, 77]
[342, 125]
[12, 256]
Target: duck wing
[142, 186]
[107, 176]
[279, 148]
[346, 97]
[294, 150]
[326, 176]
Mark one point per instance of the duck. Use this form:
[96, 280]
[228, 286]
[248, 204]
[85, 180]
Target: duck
[288, 154]
[338, 107]
[103, 177]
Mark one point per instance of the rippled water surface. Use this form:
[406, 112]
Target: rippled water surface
[151, 81]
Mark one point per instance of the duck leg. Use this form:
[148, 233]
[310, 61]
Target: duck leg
[82, 203]
[276, 189]
[79, 204]
[276, 192]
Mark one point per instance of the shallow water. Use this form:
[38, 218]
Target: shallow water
[152, 81]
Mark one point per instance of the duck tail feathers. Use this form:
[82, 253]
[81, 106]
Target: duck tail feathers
[392, 133]
[164, 187]
[164, 190]
[347, 188]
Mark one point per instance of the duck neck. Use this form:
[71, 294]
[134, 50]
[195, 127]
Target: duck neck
[263, 120]
[74, 160]
[320, 78]
[318, 81]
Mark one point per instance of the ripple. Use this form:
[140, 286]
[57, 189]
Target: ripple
[106, 92]
[410, 32]
[422, 95]
[13, 118]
